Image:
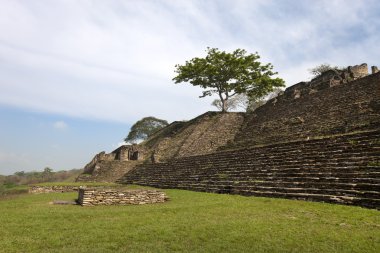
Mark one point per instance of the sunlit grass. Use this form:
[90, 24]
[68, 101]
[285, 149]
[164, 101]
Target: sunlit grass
[189, 222]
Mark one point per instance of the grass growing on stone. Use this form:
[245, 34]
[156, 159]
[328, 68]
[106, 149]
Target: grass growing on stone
[189, 222]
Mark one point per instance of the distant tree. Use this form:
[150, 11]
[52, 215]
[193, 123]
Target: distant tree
[20, 173]
[47, 173]
[229, 74]
[34, 177]
[48, 170]
[144, 128]
[318, 70]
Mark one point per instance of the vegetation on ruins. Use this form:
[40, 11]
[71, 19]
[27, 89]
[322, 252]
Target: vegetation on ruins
[229, 74]
[248, 104]
[189, 222]
[144, 128]
[318, 70]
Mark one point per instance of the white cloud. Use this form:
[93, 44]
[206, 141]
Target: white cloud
[114, 60]
[60, 125]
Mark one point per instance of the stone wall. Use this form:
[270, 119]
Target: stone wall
[307, 110]
[50, 189]
[94, 197]
[129, 153]
[340, 169]
[102, 156]
[122, 153]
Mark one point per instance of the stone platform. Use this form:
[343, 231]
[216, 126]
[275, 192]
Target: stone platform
[95, 197]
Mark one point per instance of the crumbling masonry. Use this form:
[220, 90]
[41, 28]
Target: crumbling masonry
[319, 140]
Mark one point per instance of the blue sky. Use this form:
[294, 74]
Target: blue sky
[35, 140]
[75, 74]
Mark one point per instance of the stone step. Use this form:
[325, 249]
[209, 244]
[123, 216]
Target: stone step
[289, 162]
[319, 185]
[278, 188]
[279, 175]
[282, 183]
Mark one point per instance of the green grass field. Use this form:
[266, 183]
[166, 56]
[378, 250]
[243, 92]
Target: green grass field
[189, 222]
[6, 190]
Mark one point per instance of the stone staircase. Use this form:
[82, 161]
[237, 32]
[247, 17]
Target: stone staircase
[339, 169]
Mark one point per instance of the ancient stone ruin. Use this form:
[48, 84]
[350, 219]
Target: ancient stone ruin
[329, 79]
[319, 141]
[202, 135]
[109, 167]
[96, 196]
[122, 153]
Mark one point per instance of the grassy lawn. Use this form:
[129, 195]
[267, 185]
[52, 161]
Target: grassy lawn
[189, 222]
[6, 190]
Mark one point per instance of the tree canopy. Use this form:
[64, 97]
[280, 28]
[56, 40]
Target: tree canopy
[144, 128]
[229, 74]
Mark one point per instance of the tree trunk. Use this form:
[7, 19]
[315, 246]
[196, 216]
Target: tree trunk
[224, 105]
[224, 101]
